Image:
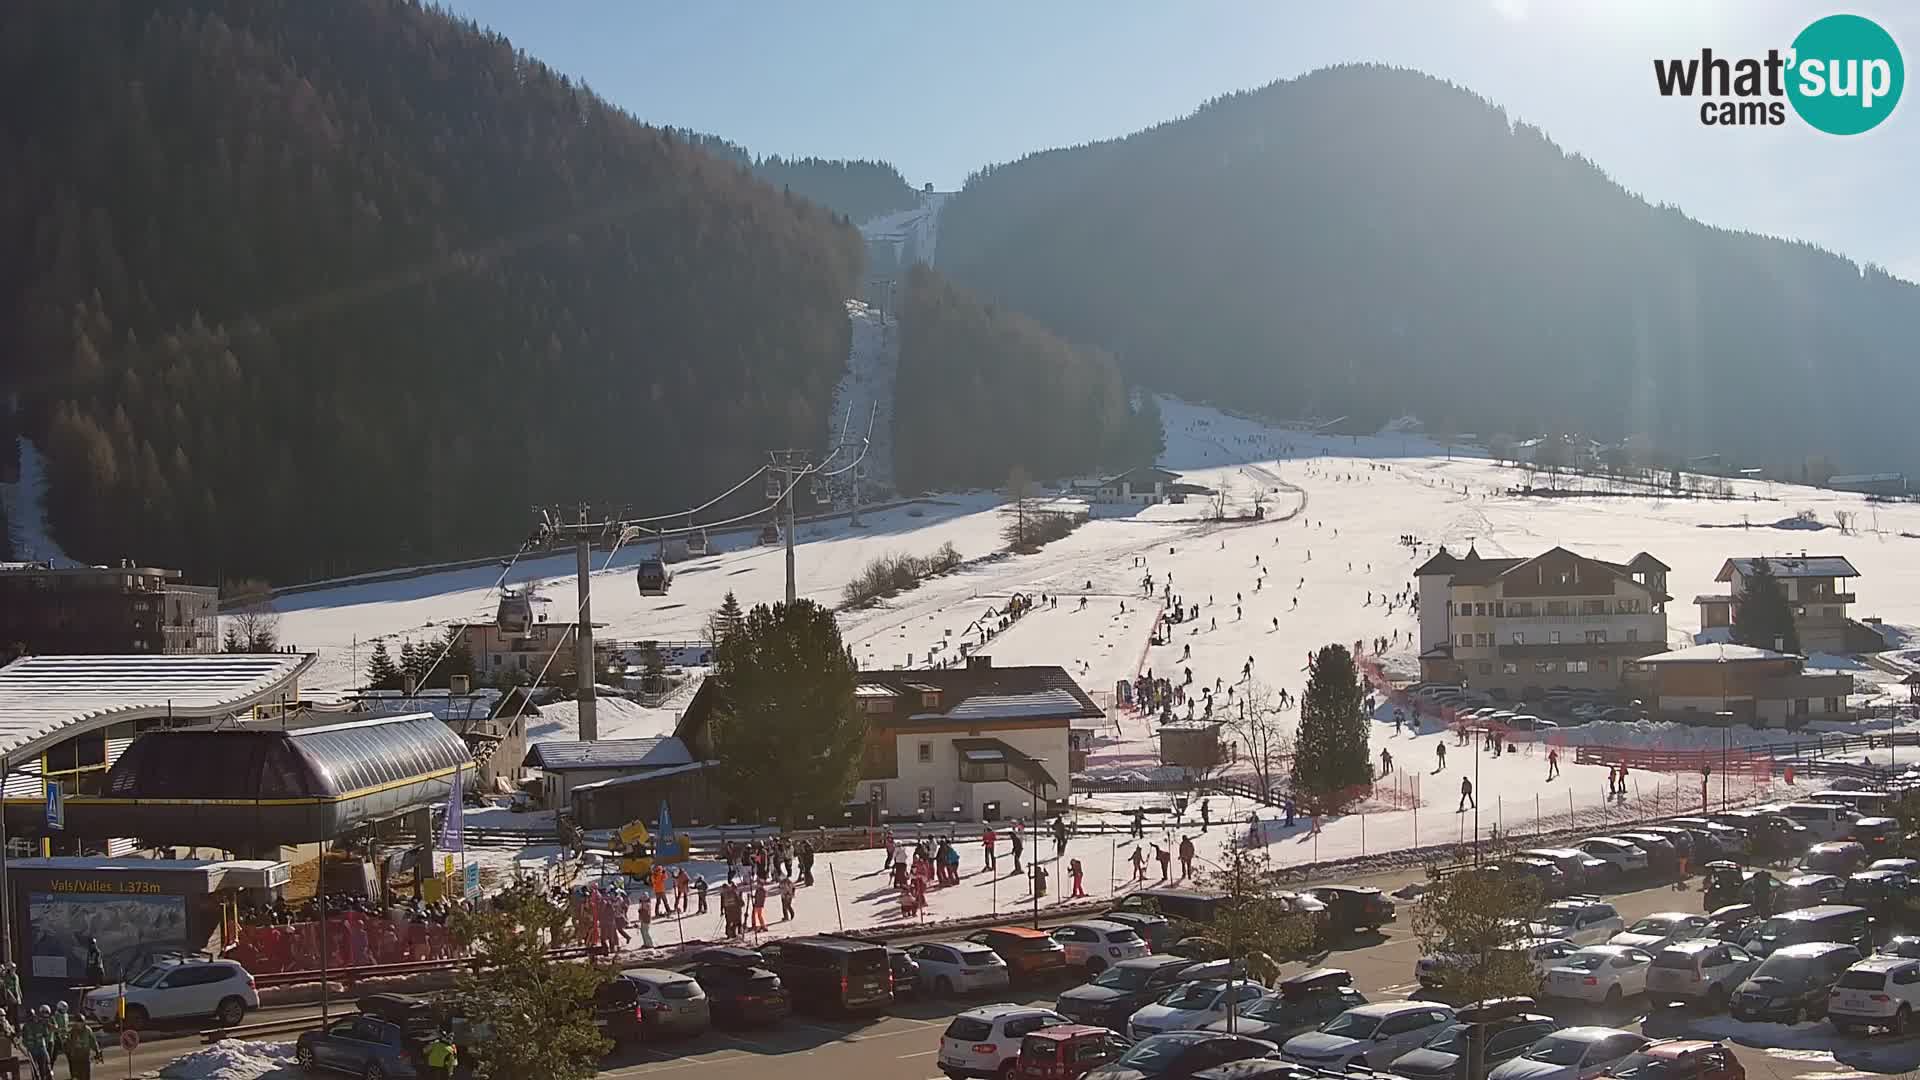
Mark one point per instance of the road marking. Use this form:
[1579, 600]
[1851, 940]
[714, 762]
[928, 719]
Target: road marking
[923, 1053]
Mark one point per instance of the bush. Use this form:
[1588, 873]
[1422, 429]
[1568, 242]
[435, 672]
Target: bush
[897, 573]
[1026, 532]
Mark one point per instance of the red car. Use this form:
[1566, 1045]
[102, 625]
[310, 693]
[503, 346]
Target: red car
[1066, 1052]
[1680, 1059]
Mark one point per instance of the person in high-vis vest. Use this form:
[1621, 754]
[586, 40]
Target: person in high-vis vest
[442, 1056]
[82, 1048]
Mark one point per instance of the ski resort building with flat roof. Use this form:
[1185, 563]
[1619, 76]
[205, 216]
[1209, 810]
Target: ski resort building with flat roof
[1555, 619]
[1758, 687]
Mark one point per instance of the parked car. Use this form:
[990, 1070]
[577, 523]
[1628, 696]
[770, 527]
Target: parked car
[1553, 881]
[1541, 954]
[1179, 1055]
[1600, 974]
[1875, 833]
[1680, 1059]
[1067, 1052]
[1258, 1069]
[1842, 923]
[1691, 847]
[1583, 870]
[1793, 982]
[1157, 931]
[1731, 840]
[733, 955]
[1095, 944]
[1881, 892]
[1031, 955]
[742, 996]
[362, 1045]
[1769, 835]
[1724, 883]
[1352, 907]
[1299, 1003]
[959, 967]
[1575, 1053]
[1661, 929]
[1579, 920]
[1840, 857]
[903, 972]
[1732, 922]
[1909, 867]
[1193, 905]
[1370, 1035]
[1901, 945]
[1880, 991]
[832, 973]
[177, 988]
[648, 1003]
[1703, 971]
[1509, 1026]
[1826, 821]
[1192, 1006]
[986, 1042]
[1116, 993]
[1625, 856]
[1663, 855]
[1809, 890]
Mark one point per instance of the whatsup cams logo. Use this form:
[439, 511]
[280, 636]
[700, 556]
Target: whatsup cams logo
[1842, 75]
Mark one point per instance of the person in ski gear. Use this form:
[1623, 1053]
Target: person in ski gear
[1466, 795]
[1553, 763]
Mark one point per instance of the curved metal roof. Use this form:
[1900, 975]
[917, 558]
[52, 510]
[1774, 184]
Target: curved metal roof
[44, 699]
[332, 762]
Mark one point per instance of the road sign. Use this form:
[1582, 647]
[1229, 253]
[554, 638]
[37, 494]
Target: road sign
[129, 1040]
[473, 881]
[56, 807]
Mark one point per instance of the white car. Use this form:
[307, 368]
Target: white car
[1583, 922]
[1097, 943]
[177, 988]
[1600, 974]
[1541, 953]
[1702, 971]
[981, 1042]
[1371, 1035]
[1577, 1053]
[1192, 1006]
[1661, 929]
[1883, 991]
[1622, 854]
[958, 967]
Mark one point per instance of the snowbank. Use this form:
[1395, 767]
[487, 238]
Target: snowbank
[232, 1059]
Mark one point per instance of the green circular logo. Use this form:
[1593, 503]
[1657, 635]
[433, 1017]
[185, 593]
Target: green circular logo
[1846, 74]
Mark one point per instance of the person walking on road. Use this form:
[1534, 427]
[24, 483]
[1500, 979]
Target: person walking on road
[1186, 857]
[1386, 761]
[1440, 751]
[1206, 815]
[759, 905]
[1139, 862]
[1466, 795]
[1017, 846]
[1165, 858]
[1077, 873]
[37, 1037]
[700, 893]
[786, 899]
[646, 922]
[83, 1050]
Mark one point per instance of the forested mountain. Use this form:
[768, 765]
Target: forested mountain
[982, 389]
[859, 190]
[302, 288]
[1371, 241]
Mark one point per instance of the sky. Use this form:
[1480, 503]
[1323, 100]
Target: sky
[942, 90]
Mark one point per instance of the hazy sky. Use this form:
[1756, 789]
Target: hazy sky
[940, 90]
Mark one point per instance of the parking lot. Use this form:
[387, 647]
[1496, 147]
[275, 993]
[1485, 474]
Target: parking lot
[901, 1045]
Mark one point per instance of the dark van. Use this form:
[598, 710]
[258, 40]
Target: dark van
[1193, 905]
[1842, 924]
[832, 973]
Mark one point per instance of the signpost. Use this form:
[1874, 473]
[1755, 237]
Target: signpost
[56, 806]
[473, 880]
[129, 1041]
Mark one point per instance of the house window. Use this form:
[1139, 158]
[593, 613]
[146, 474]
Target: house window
[930, 699]
[1596, 637]
[1543, 666]
[926, 798]
[1479, 609]
[1576, 667]
[1483, 640]
[1799, 706]
[1556, 607]
[1633, 635]
[1509, 668]
[1600, 664]
[1553, 637]
[925, 752]
[1593, 607]
[1519, 638]
[1486, 669]
[1832, 704]
[1466, 641]
[1522, 609]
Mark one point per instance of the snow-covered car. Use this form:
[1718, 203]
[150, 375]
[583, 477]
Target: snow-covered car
[1583, 922]
[177, 988]
[1660, 929]
[958, 967]
[1191, 1007]
[1370, 1035]
[1600, 974]
[1878, 991]
[985, 1042]
[1576, 1053]
[1096, 944]
[1704, 971]
[1623, 855]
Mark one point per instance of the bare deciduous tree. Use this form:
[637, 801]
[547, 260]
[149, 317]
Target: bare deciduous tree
[1266, 740]
[252, 624]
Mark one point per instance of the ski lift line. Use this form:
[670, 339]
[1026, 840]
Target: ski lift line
[538, 679]
[751, 477]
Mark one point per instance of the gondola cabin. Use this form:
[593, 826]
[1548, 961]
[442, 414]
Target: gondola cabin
[653, 577]
[697, 543]
[515, 613]
[769, 533]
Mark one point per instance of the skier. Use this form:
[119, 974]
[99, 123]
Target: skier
[1139, 862]
[1386, 761]
[1076, 872]
[1440, 750]
[1466, 795]
[1164, 858]
[1553, 764]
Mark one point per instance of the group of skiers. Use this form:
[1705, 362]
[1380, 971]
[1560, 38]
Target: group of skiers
[48, 1032]
[1162, 856]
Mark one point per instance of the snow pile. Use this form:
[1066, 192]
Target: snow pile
[232, 1059]
[618, 718]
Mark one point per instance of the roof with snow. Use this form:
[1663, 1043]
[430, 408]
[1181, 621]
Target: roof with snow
[1715, 653]
[1145, 474]
[1471, 569]
[1039, 704]
[985, 693]
[1791, 566]
[44, 699]
[607, 754]
[644, 775]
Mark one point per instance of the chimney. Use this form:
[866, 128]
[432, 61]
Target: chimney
[979, 661]
[459, 684]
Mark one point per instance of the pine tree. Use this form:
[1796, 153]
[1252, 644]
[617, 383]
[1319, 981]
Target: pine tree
[1330, 755]
[381, 672]
[1765, 619]
[233, 642]
[724, 621]
[784, 725]
[653, 665]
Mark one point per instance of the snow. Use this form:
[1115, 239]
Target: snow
[619, 718]
[26, 514]
[1712, 652]
[233, 1059]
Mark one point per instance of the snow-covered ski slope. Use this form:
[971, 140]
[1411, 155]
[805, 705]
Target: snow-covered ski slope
[24, 500]
[1330, 538]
